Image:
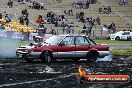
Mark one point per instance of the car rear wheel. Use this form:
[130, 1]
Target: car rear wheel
[76, 60]
[92, 56]
[46, 56]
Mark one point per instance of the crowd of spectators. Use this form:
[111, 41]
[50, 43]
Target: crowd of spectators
[83, 4]
[36, 5]
[68, 12]
[10, 4]
[58, 1]
[105, 10]
[57, 20]
[123, 2]
[5, 17]
[60, 20]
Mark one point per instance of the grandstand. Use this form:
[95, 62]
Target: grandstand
[121, 15]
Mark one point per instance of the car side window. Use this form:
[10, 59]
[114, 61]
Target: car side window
[81, 41]
[68, 41]
[126, 33]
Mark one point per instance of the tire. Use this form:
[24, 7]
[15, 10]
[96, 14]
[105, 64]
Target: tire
[92, 56]
[46, 56]
[128, 38]
[25, 59]
[76, 60]
[117, 38]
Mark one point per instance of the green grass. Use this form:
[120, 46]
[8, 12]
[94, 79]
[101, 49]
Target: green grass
[119, 52]
[127, 52]
[101, 41]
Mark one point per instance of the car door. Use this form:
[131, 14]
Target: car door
[66, 49]
[82, 46]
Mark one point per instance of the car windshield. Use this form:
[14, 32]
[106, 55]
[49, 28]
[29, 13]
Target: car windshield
[54, 39]
[92, 42]
[120, 32]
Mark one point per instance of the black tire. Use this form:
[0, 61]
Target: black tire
[25, 59]
[46, 56]
[92, 56]
[117, 38]
[128, 38]
[76, 60]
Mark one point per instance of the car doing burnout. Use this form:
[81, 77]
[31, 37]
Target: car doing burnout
[63, 47]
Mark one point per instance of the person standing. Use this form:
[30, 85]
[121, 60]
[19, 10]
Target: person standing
[0, 15]
[98, 21]
[26, 21]
[113, 27]
[21, 20]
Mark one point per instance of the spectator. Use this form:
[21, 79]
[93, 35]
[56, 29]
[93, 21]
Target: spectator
[109, 9]
[40, 19]
[41, 29]
[84, 29]
[52, 31]
[41, 5]
[21, 20]
[105, 10]
[123, 2]
[89, 30]
[26, 21]
[10, 4]
[100, 10]
[25, 12]
[2, 27]
[21, 1]
[69, 30]
[113, 27]
[98, 21]
[8, 18]
[0, 15]
[56, 24]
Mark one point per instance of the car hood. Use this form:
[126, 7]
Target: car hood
[33, 46]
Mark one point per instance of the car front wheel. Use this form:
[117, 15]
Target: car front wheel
[117, 38]
[25, 59]
[46, 56]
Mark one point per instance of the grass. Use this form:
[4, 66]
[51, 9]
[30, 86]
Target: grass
[126, 52]
[103, 41]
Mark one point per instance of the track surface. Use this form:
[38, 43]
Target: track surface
[58, 74]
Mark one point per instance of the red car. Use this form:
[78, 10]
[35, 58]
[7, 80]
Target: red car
[63, 47]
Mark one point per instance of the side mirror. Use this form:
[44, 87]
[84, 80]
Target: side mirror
[62, 43]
